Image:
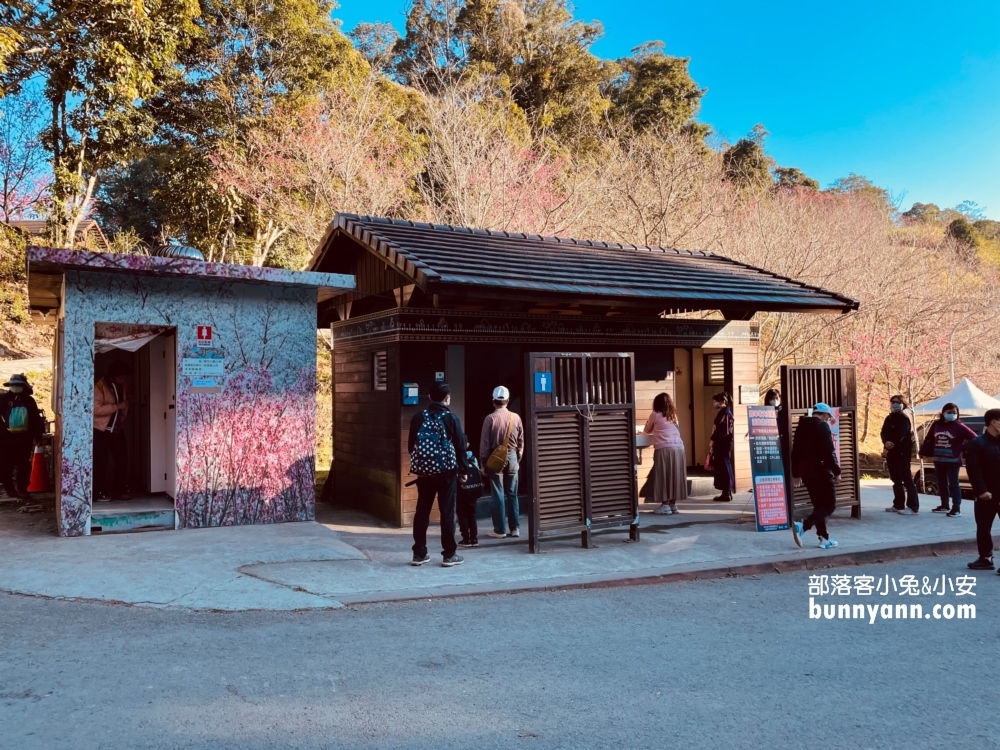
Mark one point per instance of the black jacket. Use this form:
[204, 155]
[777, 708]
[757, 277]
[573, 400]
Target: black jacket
[982, 461]
[896, 430]
[813, 452]
[35, 424]
[453, 426]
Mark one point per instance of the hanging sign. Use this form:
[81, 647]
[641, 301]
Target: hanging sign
[767, 468]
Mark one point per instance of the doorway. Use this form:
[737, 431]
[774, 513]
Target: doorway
[135, 468]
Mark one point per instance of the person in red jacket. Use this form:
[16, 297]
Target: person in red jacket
[814, 462]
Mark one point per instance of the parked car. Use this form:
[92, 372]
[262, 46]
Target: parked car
[930, 483]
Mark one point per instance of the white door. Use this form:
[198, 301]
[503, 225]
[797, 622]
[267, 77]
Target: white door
[170, 390]
[157, 415]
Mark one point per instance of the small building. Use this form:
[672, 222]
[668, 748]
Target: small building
[466, 305]
[221, 393]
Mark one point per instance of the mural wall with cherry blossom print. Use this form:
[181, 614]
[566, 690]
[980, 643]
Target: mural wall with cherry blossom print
[244, 455]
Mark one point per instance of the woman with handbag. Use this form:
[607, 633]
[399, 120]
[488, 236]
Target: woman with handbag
[722, 448]
[945, 443]
[669, 460]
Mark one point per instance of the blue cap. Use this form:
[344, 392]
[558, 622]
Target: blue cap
[825, 408]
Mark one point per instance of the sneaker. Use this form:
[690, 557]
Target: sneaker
[954, 513]
[827, 543]
[723, 499]
[907, 512]
[797, 532]
[102, 499]
[465, 543]
[497, 535]
[514, 533]
[673, 510]
[663, 510]
[451, 562]
[417, 560]
[940, 509]
[892, 509]
[981, 564]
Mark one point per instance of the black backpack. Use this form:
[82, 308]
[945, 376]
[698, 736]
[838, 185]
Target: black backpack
[433, 452]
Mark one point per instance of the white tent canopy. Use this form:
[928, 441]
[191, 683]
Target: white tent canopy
[971, 401]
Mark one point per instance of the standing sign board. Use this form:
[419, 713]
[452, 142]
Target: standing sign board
[768, 470]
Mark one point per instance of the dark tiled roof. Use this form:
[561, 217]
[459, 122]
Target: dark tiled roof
[447, 259]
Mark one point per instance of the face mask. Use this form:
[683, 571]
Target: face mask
[716, 405]
[897, 407]
[776, 403]
[950, 416]
[17, 389]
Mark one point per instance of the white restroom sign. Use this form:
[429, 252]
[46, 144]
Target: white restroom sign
[204, 336]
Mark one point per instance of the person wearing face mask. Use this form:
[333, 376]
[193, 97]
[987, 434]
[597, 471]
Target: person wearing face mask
[438, 456]
[897, 437]
[814, 463]
[721, 445]
[982, 460]
[20, 426]
[946, 440]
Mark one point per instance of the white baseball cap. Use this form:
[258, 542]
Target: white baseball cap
[500, 393]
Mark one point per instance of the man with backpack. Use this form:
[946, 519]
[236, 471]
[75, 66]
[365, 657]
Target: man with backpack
[20, 426]
[437, 449]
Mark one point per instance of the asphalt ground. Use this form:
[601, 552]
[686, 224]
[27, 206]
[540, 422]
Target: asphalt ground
[727, 663]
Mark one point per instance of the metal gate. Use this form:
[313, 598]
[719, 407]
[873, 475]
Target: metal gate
[801, 389]
[582, 417]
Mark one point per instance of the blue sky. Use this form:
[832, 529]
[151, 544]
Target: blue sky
[906, 94]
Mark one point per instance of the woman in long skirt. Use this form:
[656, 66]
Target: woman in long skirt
[669, 460]
[722, 448]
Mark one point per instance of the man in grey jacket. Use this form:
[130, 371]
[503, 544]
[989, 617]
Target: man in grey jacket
[499, 426]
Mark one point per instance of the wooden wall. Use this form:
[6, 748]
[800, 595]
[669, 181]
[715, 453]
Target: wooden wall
[365, 434]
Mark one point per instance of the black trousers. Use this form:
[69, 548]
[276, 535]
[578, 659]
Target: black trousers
[107, 482]
[904, 491]
[468, 499]
[443, 487]
[823, 496]
[15, 463]
[986, 511]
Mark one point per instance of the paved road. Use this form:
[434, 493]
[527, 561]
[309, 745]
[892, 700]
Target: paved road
[9, 367]
[734, 663]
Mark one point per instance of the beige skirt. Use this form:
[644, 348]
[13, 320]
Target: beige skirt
[669, 475]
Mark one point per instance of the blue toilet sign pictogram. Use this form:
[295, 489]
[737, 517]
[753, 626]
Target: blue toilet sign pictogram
[543, 382]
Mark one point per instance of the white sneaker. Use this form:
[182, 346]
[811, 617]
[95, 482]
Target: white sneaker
[827, 543]
[514, 533]
[663, 510]
[907, 512]
[797, 532]
[495, 535]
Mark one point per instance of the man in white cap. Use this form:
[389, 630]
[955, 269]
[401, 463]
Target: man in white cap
[501, 445]
[814, 462]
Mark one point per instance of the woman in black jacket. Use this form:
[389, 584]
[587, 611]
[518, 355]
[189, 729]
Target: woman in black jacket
[897, 437]
[722, 448]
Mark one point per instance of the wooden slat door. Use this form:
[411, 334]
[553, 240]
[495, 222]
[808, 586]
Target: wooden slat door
[582, 444]
[835, 385]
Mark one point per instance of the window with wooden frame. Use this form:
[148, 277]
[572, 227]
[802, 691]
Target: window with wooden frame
[715, 369]
[380, 371]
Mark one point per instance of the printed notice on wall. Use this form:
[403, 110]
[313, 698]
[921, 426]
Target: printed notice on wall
[206, 373]
[768, 469]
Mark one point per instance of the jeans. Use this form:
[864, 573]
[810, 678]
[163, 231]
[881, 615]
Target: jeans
[948, 486]
[443, 486]
[503, 493]
[823, 496]
[986, 511]
[904, 491]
